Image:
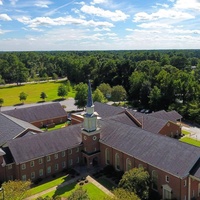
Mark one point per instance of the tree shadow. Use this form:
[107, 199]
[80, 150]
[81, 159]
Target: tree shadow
[18, 104]
[59, 99]
[41, 101]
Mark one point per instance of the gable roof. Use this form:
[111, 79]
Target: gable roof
[105, 110]
[159, 151]
[11, 127]
[171, 115]
[38, 113]
[35, 146]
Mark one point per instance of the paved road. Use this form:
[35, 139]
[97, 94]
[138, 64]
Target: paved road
[69, 103]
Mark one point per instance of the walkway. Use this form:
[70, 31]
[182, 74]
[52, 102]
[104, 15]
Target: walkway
[88, 177]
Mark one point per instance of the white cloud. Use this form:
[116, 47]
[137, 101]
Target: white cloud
[60, 21]
[102, 29]
[184, 4]
[13, 2]
[99, 2]
[162, 14]
[5, 17]
[162, 5]
[1, 2]
[43, 3]
[118, 15]
[154, 25]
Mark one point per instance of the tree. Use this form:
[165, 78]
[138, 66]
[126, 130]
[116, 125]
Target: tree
[1, 102]
[105, 89]
[81, 95]
[118, 93]
[155, 98]
[136, 180]
[23, 97]
[62, 91]
[122, 194]
[17, 189]
[98, 96]
[79, 194]
[43, 96]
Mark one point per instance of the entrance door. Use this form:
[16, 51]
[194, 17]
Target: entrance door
[95, 161]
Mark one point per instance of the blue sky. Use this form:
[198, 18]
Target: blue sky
[33, 25]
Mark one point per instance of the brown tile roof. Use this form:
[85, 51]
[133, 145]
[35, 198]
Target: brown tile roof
[11, 127]
[38, 113]
[159, 151]
[46, 143]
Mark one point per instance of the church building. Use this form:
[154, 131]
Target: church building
[107, 135]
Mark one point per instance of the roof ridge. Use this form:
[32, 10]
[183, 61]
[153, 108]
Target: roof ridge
[133, 118]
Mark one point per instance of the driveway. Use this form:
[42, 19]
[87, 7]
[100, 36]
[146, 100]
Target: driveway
[68, 103]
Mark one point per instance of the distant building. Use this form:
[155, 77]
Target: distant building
[122, 138]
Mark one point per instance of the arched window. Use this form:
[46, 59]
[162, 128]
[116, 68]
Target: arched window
[128, 164]
[107, 156]
[154, 175]
[117, 162]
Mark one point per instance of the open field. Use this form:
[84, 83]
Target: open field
[10, 94]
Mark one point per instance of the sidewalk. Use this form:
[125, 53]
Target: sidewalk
[88, 177]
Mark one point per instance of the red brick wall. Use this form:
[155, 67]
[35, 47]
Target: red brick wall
[170, 129]
[179, 191]
[76, 119]
[42, 123]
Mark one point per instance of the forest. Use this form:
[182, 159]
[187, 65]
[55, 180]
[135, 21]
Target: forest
[154, 79]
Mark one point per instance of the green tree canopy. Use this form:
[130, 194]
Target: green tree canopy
[98, 96]
[122, 194]
[105, 89]
[79, 194]
[118, 93]
[81, 95]
[43, 95]
[23, 96]
[17, 189]
[136, 180]
[62, 91]
[155, 98]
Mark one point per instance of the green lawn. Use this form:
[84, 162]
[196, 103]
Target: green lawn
[58, 126]
[10, 94]
[184, 132]
[93, 191]
[190, 141]
[48, 185]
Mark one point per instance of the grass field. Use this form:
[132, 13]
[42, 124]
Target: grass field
[93, 191]
[184, 132]
[190, 141]
[10, 94]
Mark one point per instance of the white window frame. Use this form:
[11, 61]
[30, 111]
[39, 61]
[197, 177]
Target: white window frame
[48, 169]
[41, 172]
[63, 153]
[56, 156]
[32, 163]
[23, 166]
[70, 151]
[167, 178]
[63, 164]
[48, 158]
[117, 162]
[32, 175]
[128, 164]
[70, 162]
[56, 167]
[24, 177]
[40, 160]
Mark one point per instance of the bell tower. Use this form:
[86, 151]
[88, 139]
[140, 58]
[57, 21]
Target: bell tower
[90, 133]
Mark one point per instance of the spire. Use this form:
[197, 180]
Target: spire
[89, 99]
